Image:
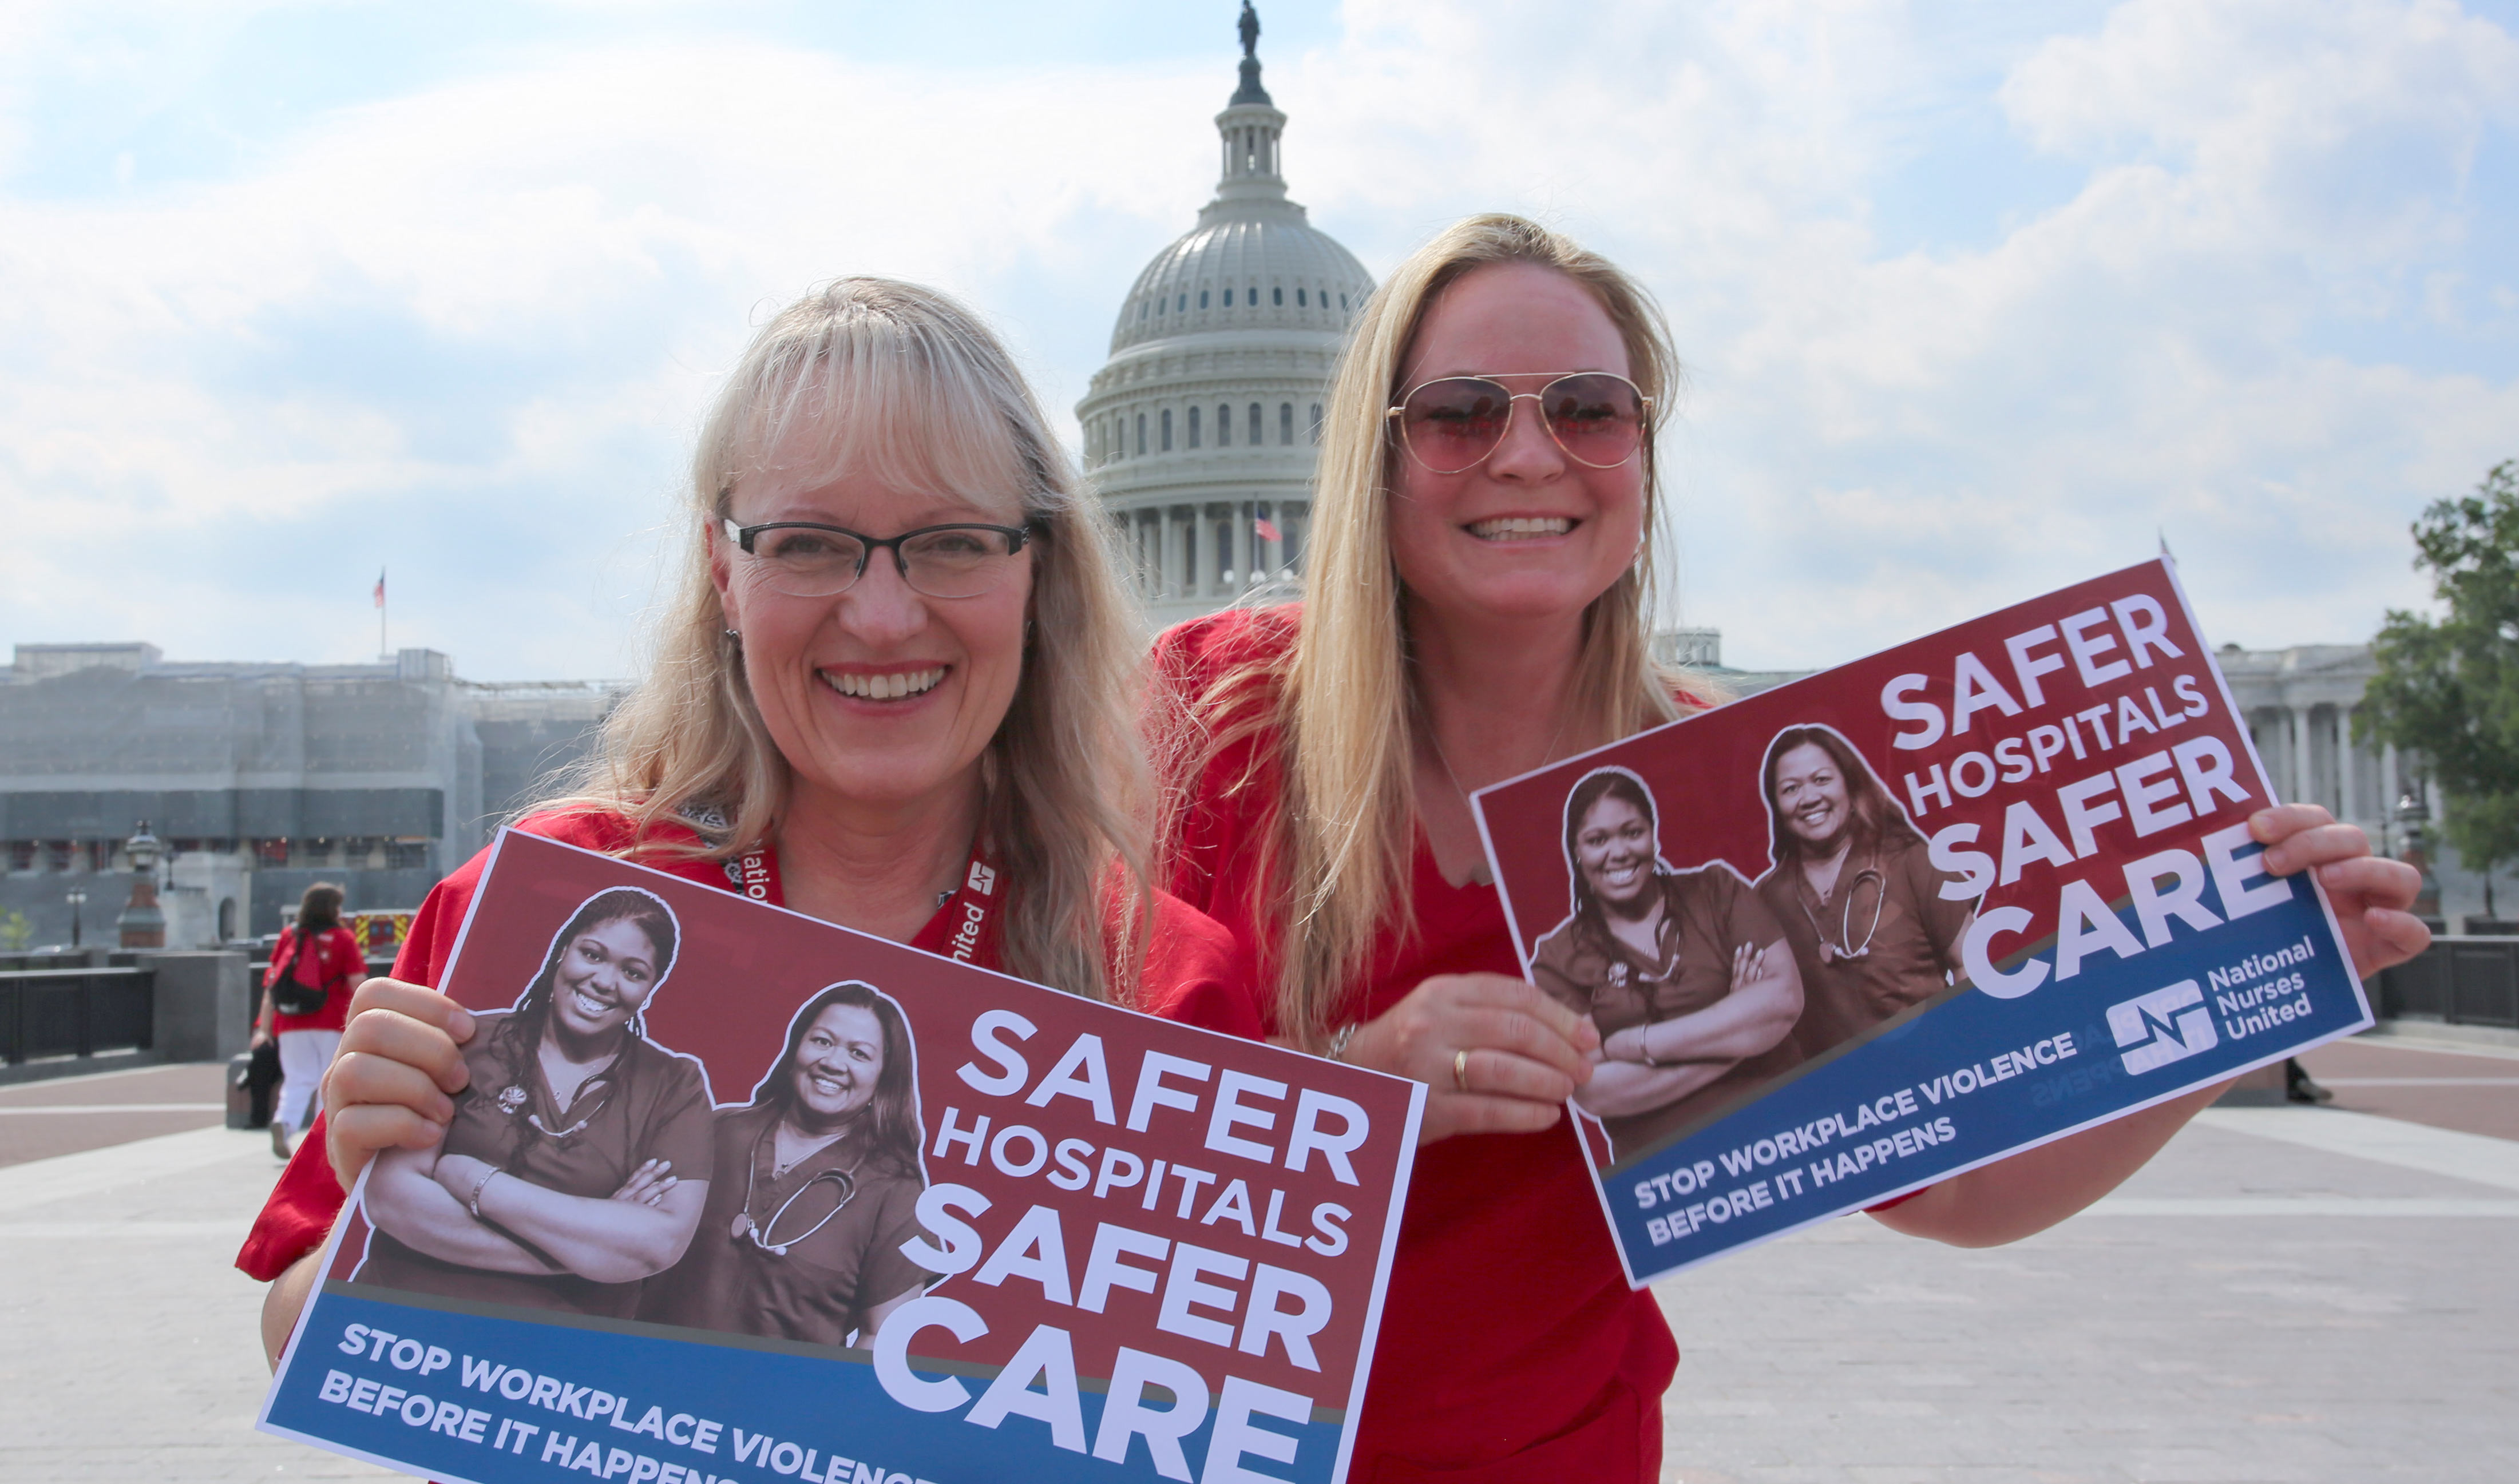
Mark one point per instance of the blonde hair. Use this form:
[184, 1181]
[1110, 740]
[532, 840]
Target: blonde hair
[1335, 861]
[900, 383]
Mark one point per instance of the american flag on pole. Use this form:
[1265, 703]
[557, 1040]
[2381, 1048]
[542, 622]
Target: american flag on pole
[380, 587]
[1266, 530]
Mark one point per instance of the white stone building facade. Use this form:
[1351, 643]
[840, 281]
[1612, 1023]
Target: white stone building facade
[2298, 704]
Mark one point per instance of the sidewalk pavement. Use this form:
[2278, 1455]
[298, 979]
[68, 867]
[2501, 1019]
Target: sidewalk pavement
[2285, 1294]
[2472, 1085]
[67, 1114]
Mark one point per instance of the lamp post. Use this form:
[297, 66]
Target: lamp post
[142, 925]
[77, 900]
[2413, 814]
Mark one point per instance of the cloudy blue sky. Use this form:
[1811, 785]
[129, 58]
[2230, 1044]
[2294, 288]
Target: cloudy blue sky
[1977, 299]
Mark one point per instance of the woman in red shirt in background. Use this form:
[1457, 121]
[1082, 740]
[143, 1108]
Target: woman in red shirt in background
[898, 692]
[318, 953]
[1477, 605]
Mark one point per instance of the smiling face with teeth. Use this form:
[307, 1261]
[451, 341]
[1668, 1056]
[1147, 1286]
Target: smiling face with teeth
[880, 697]
[1811, 798]
[603, 976]
[1527, 533]
[1613, 849]
[836, 1065]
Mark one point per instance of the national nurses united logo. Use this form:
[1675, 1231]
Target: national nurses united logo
[2163, 1027]
[983, 879]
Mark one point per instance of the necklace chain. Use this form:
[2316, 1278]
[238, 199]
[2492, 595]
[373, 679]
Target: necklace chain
[1436, 743]
[777, 1169]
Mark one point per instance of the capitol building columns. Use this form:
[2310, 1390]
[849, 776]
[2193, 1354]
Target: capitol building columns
[1209, 553]
[2298, 705]
[1200, 431]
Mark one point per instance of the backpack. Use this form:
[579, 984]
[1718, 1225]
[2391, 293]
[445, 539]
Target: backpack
[288, 995]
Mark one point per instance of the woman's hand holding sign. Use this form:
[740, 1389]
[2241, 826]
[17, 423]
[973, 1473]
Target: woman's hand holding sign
[393, 1084]
[2036, 1189]
[1499, 1056]
[2372, 895]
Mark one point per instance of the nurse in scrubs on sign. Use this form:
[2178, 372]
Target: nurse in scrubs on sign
[1684, 974]
[816, 1188]
[1875, 928]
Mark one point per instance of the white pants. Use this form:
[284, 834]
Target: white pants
[303, 1057]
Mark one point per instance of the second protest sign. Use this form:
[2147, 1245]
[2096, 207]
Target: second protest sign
[1857, 934]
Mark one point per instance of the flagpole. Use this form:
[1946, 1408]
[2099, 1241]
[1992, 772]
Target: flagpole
[384, 651]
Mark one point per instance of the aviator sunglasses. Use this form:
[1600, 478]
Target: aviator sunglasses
[1451, 424]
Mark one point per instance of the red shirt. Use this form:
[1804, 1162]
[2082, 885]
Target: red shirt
[332, 960]
[1191, 975]
[1510, 1348]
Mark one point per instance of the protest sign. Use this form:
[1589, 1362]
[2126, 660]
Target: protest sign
[1874, 927]
[736, 1195]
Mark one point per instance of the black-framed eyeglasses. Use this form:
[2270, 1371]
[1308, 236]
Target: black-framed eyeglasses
[1453, 423]
[805, 558]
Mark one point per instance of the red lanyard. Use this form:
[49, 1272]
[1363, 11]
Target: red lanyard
[755, 874]
[959, 931]
[965, 916]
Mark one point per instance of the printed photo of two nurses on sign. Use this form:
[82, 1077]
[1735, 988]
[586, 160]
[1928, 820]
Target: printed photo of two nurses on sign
[588, 1171]
[1705, 985]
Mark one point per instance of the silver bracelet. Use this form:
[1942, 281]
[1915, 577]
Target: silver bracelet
[1339, 1040]
[477, 1186]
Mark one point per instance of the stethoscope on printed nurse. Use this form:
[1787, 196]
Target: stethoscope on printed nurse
[1843, 950]
[763, 1234]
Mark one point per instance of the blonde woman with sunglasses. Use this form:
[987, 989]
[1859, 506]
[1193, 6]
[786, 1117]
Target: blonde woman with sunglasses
[1478, 605]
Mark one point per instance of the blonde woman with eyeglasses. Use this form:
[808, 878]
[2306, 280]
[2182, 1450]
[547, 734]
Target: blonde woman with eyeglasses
[898, 691]
[1477, 605]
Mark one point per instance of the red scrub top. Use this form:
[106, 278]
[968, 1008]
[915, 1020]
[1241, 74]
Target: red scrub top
[1192, 974]
[1510, 1348]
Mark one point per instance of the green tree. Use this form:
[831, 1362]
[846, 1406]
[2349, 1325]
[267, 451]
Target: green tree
[16, 931]
[2448, 690]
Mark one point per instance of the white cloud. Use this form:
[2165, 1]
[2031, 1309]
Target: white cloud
[456, 326]
[173, 361]
[2339, 131]
[1880, 444]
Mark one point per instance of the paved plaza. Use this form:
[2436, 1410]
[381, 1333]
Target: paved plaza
[2286, 1294]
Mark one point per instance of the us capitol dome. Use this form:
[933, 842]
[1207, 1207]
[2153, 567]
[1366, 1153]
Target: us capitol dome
[1200, 431]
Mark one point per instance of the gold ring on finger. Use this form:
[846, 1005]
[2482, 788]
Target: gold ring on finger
[1461, 1069]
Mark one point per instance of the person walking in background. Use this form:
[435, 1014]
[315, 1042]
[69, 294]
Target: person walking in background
[306, 1002]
